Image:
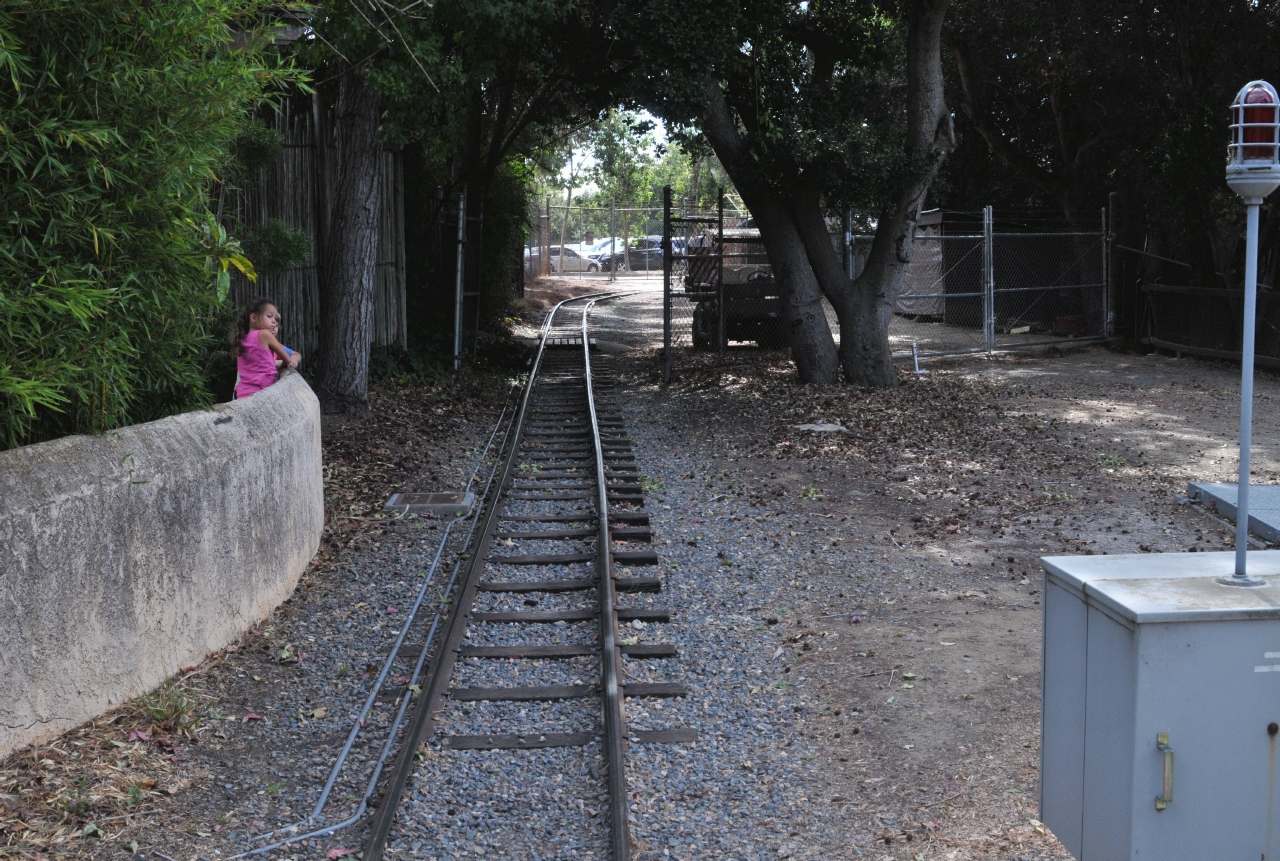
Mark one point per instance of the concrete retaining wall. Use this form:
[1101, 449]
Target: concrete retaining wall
[127, 556]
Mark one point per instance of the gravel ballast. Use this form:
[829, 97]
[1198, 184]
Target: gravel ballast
[857, 616]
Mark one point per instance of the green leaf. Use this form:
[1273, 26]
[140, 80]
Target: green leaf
[109, 145]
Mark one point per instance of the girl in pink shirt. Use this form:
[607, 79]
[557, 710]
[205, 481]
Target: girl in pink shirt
[256, 348]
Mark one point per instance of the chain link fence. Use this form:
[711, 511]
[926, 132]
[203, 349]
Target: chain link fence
[975, 291]
[619, 242]
[997, 290]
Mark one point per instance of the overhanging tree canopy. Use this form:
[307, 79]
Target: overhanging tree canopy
[811, 107]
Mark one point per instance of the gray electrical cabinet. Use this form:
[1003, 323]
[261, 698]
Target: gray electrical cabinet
[1161, 707]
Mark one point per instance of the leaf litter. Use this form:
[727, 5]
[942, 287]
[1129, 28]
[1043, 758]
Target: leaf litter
[923, 522]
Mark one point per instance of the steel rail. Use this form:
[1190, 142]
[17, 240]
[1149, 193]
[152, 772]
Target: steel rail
[615, 723]
[422, 724]
[376, 688]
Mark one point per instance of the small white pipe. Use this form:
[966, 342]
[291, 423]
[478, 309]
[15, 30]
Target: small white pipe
[1246, 386]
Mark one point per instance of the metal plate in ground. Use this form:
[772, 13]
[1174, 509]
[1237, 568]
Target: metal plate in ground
[1264, 505]
[442, 504]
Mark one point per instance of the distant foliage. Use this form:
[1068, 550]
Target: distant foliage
[117, 119]
[256, 147]
[274, 246]
[506, 227]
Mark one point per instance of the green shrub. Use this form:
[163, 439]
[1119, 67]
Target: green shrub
[117, 120]
[256, 147]
[274, 246]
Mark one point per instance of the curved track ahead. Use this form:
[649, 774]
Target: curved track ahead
[569, 485]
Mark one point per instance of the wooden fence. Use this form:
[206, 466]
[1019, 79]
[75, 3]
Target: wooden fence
[288, 190]
[1209, 321]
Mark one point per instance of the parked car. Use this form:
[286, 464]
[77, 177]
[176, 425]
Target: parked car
[604, 254]
[645, 253]
[573, 261]
[604, 245]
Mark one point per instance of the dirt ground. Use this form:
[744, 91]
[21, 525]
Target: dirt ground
[917, 620]
[542, 293]
[936, 502]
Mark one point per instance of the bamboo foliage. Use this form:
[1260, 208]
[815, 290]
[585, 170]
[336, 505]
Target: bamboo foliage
[116, 118]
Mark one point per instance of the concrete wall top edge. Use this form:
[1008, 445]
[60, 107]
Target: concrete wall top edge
[139, 453]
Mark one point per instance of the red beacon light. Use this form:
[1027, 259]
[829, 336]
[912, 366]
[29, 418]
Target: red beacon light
[1253, 156]
[1253, 172]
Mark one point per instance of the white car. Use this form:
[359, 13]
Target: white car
[573, 261]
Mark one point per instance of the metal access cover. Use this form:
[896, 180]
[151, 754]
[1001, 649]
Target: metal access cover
[444, 504]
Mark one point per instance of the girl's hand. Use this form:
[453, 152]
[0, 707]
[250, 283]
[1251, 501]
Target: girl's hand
[295, 359]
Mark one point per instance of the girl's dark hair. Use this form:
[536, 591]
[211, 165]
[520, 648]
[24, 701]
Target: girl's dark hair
[240, 327]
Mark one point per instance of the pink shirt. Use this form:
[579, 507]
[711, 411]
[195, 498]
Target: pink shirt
[256, 364]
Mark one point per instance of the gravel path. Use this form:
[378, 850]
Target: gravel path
[739, 792]
[851, 614]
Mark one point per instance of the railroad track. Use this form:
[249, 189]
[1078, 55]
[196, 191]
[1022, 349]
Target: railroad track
[567, 491]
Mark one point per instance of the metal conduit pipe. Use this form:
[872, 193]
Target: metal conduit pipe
[386, 668]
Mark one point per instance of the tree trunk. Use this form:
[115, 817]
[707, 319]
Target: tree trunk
[808, 335]
[865, 306]
[806, 264]
[626, 241]
[350, 251]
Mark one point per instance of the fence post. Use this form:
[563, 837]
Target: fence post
[666, 285]
[398, 235]
[988, 282]
[544, 253]
[477, 257]
[458, 278]
[564, 227]
[1110, 297]
[1106, 316]
[720, 309]
[848, 244]
[613, 263]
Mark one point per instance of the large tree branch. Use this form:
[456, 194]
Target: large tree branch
[866, 305]
[827, 265]
[975, 111]
[722, 131]
[808, 334]
[929, 129]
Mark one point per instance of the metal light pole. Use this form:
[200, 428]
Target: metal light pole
[1253, 172]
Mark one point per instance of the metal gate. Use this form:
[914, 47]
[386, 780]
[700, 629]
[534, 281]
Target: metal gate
[998, 290]
[969, 292]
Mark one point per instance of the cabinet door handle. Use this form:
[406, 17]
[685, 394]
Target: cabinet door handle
[1162, 745]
